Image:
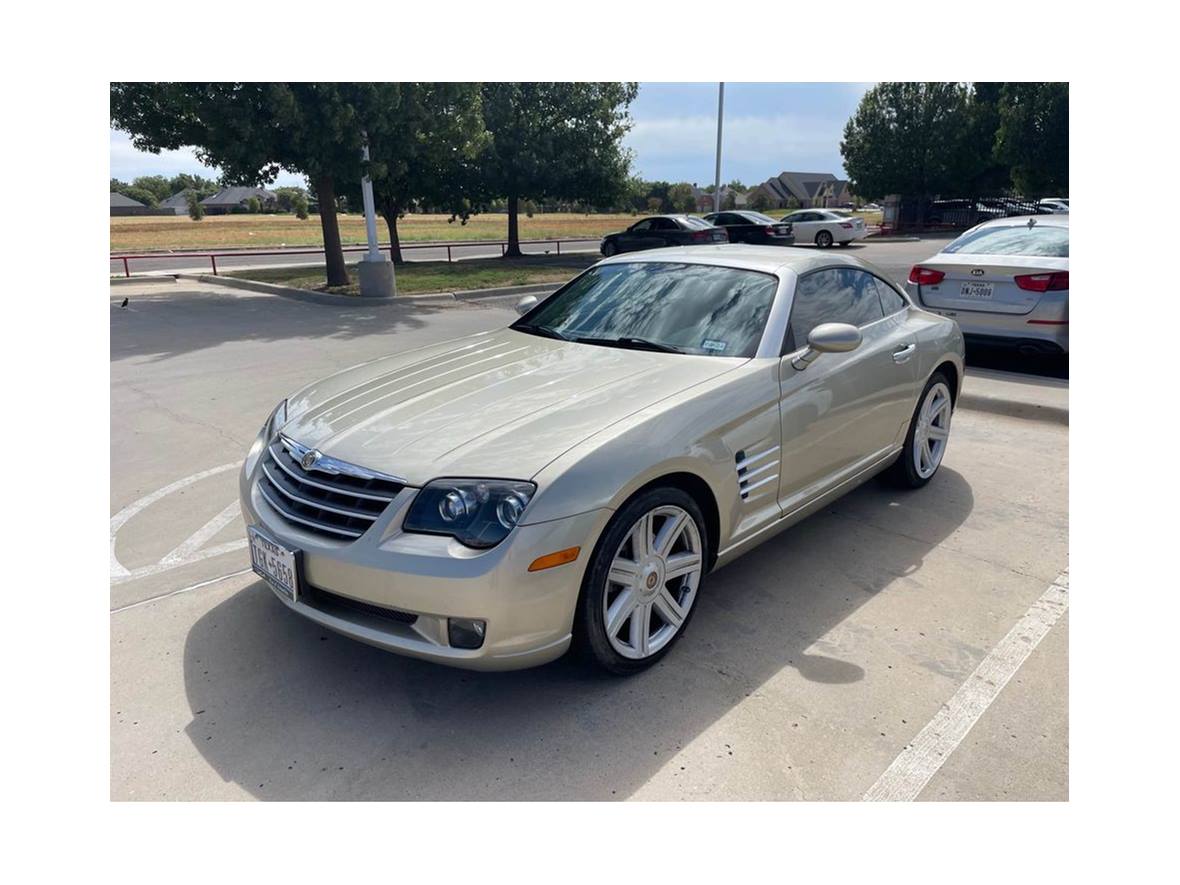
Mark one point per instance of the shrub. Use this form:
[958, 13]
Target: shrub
[195, 210]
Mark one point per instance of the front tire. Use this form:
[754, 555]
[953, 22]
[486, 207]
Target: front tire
[642, 583]
[609, 249]
[823, 239]
[926, 440]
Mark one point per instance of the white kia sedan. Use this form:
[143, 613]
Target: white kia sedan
[823, 227]
[1005, 282]
[572, 479]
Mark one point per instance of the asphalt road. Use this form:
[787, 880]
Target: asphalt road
[816, 667]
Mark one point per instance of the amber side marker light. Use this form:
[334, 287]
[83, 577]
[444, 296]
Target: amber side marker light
[549, 560]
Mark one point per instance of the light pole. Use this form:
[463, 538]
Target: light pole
[375, 271]
[717, 175]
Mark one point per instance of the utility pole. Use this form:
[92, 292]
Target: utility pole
[375, 270]
[717, 175]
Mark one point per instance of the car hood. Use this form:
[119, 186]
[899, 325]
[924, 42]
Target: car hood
[499, 404]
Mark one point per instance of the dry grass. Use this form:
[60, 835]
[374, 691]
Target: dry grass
[226, 231]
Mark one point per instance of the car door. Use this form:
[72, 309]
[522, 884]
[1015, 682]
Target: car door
[669, 233]
[804, 225]
[845, 411]
[737, 228]
[640, 235]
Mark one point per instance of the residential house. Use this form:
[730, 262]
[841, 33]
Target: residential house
[177, 204]
[704, 201]
[229, 199]
[804, 190]
[121, 205]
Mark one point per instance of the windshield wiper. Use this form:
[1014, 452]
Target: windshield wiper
[543, 331]
[633, 343]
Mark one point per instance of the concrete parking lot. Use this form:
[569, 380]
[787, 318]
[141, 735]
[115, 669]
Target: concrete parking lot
[817, 667]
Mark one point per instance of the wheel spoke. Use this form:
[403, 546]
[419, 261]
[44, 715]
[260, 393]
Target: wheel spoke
[621, 609]
[669, 608]
[641, 536]
[936, 432]
[641, 628]
[682, 564]
[669, 532]
[623, 571]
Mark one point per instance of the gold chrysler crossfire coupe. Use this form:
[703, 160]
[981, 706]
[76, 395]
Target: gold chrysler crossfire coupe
[571, 480]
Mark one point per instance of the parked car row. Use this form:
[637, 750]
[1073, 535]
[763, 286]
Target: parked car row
[822, 227]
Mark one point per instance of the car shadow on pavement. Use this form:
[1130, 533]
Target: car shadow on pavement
[288, 710]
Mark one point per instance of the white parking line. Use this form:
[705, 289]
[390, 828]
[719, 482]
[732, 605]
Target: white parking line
[196, 586]
[909, 773]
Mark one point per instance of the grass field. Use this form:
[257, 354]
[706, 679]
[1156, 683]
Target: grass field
[421, 277]
[222, 231]
[180, 233]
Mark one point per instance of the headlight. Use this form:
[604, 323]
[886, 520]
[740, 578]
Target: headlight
[477, 512]
[276, 420]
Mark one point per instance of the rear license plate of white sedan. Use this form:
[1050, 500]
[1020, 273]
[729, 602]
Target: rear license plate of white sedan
[274, 562]
[976, 290]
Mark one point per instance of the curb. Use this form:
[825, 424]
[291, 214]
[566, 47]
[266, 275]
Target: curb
[132, 281]
[873, 239]
[1029, 397]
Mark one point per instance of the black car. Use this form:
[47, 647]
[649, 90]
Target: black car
[663, 230]
[753, 227]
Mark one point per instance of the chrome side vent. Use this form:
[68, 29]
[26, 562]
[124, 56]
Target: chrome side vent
[757, 471]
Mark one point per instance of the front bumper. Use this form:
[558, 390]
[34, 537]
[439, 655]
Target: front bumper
[419, 581]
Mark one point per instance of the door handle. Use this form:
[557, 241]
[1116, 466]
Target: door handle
[904, 353]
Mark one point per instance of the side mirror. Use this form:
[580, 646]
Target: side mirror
[526, 304]
[827, 338]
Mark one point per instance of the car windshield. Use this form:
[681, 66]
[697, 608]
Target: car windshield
[688, 308]
[694, 222]
[1045, 241]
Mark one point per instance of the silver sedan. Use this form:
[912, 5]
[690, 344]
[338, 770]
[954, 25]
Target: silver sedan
[1005, 282]
[570, 481]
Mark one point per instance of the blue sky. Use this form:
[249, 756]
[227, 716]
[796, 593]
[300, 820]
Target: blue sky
[769, 127]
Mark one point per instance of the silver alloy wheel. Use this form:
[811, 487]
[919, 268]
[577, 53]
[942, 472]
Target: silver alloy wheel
[934, 426]
[652, 582]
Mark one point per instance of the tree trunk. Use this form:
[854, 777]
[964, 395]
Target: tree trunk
[333, 252]
[513, 231]
[395, 245]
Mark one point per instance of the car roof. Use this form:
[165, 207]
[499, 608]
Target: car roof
[769, 259]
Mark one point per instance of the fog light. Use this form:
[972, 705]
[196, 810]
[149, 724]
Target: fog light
[465, 632]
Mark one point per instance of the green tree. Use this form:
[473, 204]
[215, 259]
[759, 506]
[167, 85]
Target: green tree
[553, 141]
[427, 154]
[140, 194]
[912, 139]
[253, 130]
[253, 205]
[299, 206]
[1032, 137]
[156, 184]
[195, 210]
[681, 198]
[759, 200]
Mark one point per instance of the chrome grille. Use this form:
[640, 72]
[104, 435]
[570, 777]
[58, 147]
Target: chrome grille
[332, 497]
[756, 471]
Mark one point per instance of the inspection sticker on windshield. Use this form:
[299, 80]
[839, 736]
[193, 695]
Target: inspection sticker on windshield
[711, 344]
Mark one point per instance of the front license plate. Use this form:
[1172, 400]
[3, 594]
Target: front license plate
[274, 562]
[976, 290]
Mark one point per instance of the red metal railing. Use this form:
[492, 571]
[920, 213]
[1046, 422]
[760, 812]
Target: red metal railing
[406, 247]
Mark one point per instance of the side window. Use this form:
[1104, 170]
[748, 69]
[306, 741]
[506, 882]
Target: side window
[836, 295]
[642, 225]
[665, 224]
[891, 301]
[723, 220]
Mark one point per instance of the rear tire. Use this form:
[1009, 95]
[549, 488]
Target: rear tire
[642, 583]
[927, 438]
[823, 239]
